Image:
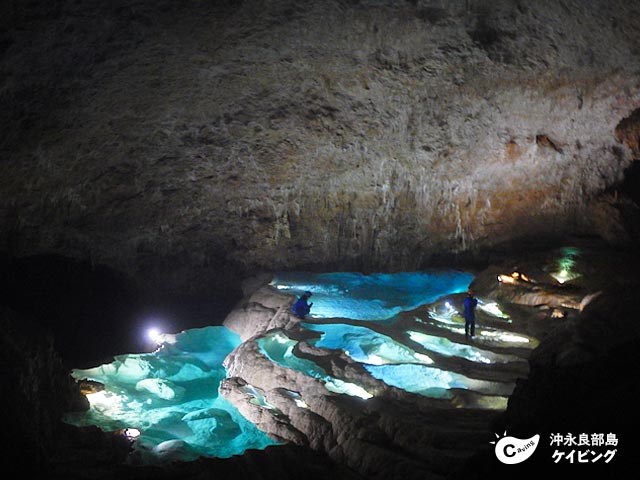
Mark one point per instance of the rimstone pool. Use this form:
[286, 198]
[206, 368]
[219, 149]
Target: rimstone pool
[403, 329]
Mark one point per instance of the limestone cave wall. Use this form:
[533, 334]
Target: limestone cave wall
[189, 143]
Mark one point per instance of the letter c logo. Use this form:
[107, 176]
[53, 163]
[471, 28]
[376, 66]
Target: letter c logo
[512, 450]
[507, 453]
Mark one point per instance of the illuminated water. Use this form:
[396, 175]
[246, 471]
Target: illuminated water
[171, 395]
[279, 349]
[400, 366]
[563, 267]
[448, 348]
[365, 345]
[432, 381]
[371, 297]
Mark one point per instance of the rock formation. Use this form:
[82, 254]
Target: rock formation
[193, 146]
[188, 147]
[564, 384]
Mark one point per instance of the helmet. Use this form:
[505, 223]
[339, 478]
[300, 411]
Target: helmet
[307, 294]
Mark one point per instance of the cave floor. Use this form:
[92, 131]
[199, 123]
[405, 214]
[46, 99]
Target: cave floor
[418, 368]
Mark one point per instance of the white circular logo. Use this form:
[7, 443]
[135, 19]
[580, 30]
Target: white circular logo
[511, 450]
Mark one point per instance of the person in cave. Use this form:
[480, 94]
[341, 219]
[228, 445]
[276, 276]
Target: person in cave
[470, 303]
[302, 307]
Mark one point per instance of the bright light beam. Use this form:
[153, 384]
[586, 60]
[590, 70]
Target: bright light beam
[154, 335]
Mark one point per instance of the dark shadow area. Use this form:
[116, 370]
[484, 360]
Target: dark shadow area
[583, 381]
[37, 391]
[95, 312]
[598, 397]
[630, 185]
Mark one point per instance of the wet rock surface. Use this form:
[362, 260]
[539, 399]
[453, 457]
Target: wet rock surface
[576, 379]
[38, 391]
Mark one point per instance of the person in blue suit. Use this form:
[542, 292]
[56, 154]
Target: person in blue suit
[302, 307]
[470, 303]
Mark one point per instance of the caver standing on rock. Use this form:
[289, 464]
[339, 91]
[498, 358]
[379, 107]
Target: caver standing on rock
[470, 303]
[302, 308]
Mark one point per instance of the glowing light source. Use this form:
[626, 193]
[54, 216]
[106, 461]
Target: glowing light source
[565, 265]
[564, 276]
[154, 335]
[514, 278]
[171, 396]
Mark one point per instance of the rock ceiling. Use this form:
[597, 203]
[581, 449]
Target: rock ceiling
[191, 146]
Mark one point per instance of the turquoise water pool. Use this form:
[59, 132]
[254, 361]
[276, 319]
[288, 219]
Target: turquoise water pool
[371, 297]
[171, 395]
